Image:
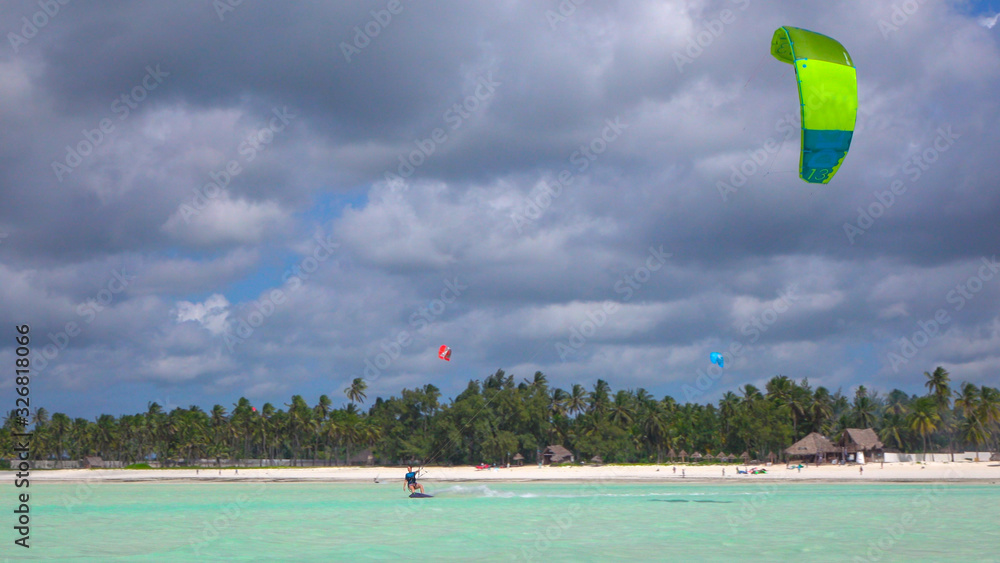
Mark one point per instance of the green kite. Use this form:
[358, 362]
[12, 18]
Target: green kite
[828, 94]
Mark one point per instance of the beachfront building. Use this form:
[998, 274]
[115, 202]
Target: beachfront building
[93, 462]
[814, 448]
[862, 441]
[557, 454]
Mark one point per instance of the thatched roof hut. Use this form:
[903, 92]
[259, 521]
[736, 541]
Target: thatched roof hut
[815, 445]
[745, 456]
[93, 462]
[855, 440]
[671, 454]
[557, 454]
[597, 459]
[697, 456]
[683, 455]
[519, 458]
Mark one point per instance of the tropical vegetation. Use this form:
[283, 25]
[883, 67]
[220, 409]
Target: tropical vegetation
[496, 417]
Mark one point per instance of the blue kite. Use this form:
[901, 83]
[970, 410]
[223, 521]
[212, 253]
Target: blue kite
[717, 359]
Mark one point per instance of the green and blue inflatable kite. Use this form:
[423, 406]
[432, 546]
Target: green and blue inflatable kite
[828, 95]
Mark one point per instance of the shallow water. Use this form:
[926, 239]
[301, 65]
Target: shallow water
[510, 521]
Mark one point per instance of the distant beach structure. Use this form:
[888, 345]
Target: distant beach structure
[557, 454]
[814, 448]
[855, 444]
[93, 462]
[862, 441]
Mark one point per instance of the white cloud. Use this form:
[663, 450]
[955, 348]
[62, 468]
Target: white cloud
[185, 368]
[225, 220]
[213, 313]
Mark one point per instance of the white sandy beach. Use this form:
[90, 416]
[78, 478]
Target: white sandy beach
[933, 471]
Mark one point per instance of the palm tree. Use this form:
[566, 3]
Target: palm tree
[371, 432]
[241, 425]
[539, 381]
[989, 412]
[154, 418]
[938, 386]
[61, 426]
[967, 401]
[219, 421]
[974, 433]
[621, 408]
[643, 397]
[192, 425]
[599, 397]
[821, 408]
[798, 404]
[779, 388]
[223, 433]
[263, 426]
[897, 403]
[576, 403]
[863, 410]
[557, 402]
[40, 418]
[356, 392]
[750, 394]
[81, 438]
[727, 408]
[299, 419]
[924, 418]
[330, 431]
[655, 424]
[322, 408]
[498, 381]
[893, 430]
[352, 432]
[106, 436]
[790, 398]
[968, 404]
[10, 421]
[132, 428]
[989, 405]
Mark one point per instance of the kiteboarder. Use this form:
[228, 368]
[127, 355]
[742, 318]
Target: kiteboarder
[411, 480]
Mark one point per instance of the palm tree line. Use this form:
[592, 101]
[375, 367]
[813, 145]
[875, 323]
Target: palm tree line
[494, 418]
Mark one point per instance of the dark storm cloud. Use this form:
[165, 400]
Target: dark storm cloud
[532, 155]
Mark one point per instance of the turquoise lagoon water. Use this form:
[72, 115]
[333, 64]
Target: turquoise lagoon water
[509, 521]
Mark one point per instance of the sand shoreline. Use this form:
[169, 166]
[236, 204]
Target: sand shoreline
[896, 472]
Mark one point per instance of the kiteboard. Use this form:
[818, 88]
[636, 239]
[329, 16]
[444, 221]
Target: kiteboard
[420, 495]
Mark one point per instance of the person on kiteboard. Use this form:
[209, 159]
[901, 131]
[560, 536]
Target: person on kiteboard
[411, 480]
